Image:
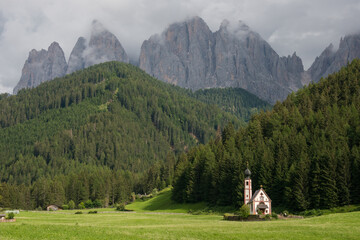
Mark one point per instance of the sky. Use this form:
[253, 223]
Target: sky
[302, 26]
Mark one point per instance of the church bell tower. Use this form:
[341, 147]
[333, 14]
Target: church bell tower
[247, 186]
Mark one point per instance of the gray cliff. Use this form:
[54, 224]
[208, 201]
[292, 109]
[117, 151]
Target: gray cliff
[189, 55]
[102, 47]
[42, 66]
[331, 61]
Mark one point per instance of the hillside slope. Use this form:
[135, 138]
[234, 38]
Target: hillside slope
[85, 135]
[305, 152]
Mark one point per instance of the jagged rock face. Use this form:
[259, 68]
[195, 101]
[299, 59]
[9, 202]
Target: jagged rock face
[190, 55]
[76, 59]
[180, 54]
[102, 47]
[42, 66]
[331, 61]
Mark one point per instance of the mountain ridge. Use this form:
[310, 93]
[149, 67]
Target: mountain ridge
[190, 55]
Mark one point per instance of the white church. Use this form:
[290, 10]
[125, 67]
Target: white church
[259, 201]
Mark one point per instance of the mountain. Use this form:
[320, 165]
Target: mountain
[103, 133]
[42, 66]
[102, 47]
[305, 152]
[189, 55]
[45, 65]
[331, 61]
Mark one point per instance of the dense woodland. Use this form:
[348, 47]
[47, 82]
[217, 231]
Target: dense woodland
[305, 152]
[103, 133]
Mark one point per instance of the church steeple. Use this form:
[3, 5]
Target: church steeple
[247, 186]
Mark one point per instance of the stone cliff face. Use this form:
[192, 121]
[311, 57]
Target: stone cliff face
[190, 55]
[45, 65]
[331, 61]
[42, 66]
[102, 47]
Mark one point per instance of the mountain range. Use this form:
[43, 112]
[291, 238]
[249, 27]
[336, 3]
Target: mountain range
[190, 55]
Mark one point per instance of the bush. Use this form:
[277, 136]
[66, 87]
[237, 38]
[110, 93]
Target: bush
[120, 207]
[78, 212]
[97, 203]
[92, 212]
[10, 215]
[267, 217]
[71, 204]
[65, 207]
[89, 204]
[81, 205]
[154, 192]
[244, 211]
[274, 215]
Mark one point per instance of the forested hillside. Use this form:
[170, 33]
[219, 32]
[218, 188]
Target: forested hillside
[237, 101]
[99, 133]
[305, 152]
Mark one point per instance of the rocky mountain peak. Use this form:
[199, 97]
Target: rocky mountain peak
[102, 47]
[331, 61]
[42, 66]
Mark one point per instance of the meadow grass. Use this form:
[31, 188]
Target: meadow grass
[160, 218]
[130, 225]
[163, 203]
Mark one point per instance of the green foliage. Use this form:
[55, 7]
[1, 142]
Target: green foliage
[237, 101]
[97, 204]
[79, 212]
[65, 207]
[89, 204]
[10, 215]
[244, 211]
[274, 215]
[81, 205]
[121, 207]
[71, 204]
[92, 212]
[102, 133]
[305, 152]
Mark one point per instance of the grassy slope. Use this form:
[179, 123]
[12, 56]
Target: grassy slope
[163, 203]
[57, 225]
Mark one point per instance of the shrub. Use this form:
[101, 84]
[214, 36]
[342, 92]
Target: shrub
[244, 211]
[71, 204]
[78, 212]
[267, 217]
[65, 207]
[89, 204]
[10, 215]
[81, 205]
[97, 203]
[92, 212]
[154, 192]
[274, 215]
[120, 207]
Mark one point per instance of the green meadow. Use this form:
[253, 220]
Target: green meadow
[161, 218]
[130, 225]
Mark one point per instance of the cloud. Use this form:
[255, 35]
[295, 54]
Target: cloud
[306, 27]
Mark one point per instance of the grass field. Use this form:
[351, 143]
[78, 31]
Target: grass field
[129, 225]
[159, 218]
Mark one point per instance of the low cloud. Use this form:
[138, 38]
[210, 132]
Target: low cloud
[288, 25]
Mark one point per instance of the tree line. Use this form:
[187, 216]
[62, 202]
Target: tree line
[109, 123]
[305, 152]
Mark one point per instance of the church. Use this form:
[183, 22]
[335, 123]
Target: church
[259, 202]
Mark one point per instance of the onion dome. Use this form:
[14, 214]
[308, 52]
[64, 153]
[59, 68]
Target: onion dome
[247, 173]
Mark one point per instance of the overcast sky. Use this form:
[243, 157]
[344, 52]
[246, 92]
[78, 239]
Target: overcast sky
[304, 26]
